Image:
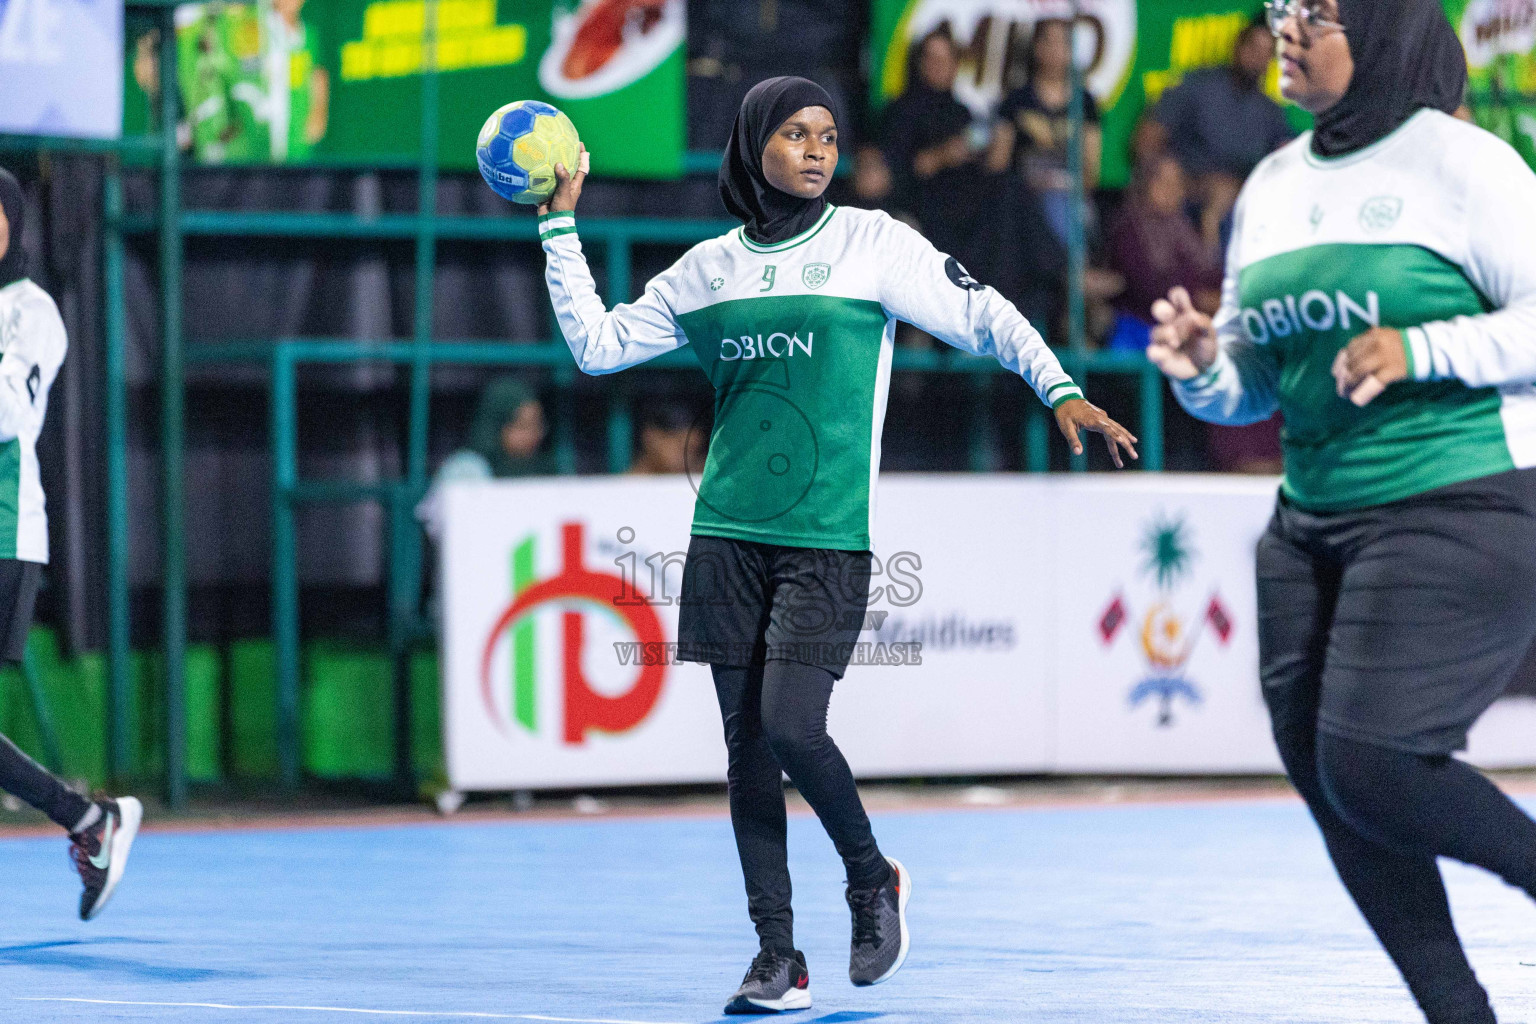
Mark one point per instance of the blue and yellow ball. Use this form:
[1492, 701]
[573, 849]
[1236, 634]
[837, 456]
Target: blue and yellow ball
[519, 147]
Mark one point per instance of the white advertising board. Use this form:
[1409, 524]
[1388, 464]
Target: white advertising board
[1068, 624]
[1160, 659]
[554, 697]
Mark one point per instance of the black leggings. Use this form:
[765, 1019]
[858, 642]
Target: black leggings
[1383, 635]
[775, 718]
[1385, 816]
[26, 779]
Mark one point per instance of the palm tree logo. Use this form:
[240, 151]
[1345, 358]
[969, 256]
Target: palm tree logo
[1168, 554]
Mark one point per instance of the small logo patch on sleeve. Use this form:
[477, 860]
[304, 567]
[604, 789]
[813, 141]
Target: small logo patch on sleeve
[960, 277]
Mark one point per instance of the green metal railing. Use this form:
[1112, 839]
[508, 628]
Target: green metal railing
[171, 224]
[153, 149]
[399, 497]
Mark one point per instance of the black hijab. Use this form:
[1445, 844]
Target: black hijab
[1407, 57]
[770, 216]
[13, 267]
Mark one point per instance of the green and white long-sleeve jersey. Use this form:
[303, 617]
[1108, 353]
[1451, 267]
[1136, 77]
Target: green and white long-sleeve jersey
[797, 340]
[1430, 231]
[32, 347]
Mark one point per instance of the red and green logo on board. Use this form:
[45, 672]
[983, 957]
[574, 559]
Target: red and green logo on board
[577, 591]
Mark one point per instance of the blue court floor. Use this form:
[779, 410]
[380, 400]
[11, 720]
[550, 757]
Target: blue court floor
[1116, 914]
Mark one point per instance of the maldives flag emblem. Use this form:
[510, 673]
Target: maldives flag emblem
[1112, 619]
[1216, 615]
[1167, 634]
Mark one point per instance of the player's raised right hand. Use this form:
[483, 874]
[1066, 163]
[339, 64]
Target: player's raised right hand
[568, 185]
[1184, 340]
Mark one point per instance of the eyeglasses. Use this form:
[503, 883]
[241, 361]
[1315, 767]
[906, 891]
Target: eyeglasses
[1278, 12]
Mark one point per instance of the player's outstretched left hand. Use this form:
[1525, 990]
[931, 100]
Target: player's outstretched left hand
[568, 185]
[1078, 414]
[1364, 367]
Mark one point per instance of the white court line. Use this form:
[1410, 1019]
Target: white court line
[343, 1009]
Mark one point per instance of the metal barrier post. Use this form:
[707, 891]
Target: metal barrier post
[172, 427]
[981, 423]
[426, 253]
[285, 568]
[621, 428]
[404, 570]
[1077, 247]
[116, 414]
[565, 418]
[404, 594]
[1151, 432]
[1037, 439]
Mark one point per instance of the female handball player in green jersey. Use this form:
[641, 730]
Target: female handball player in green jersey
[1381, 293]
[32, 347]
[792, 316]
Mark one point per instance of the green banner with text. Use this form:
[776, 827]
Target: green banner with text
[285, 81]
[1499, 37]
[1131, 52]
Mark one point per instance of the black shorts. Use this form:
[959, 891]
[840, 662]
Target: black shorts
[19, 583]
[1400, 624]
[744, 603]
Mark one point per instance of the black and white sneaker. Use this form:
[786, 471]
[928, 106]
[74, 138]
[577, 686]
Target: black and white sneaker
[880, 938]
[100, 852]
[774, 983]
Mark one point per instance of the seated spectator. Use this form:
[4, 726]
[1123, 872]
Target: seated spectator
[505, 440]
[670, 441]
[1155, 247]
[1220, 124]
[507, 435]
[1034, 126]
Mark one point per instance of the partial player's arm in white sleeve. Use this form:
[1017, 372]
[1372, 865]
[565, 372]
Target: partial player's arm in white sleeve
[603, 340]
[1242, 385]
[933, 292]
[1498, 347]
[34, 344]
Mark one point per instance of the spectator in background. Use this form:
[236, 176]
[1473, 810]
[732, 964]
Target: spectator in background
[506, 439]
[933, 168]
[669, 442]
[1034, 125]
[1220, 124]
[931, 172]
[507, 436]
[1156, 248]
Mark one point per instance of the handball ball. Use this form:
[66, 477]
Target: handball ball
[519, 147]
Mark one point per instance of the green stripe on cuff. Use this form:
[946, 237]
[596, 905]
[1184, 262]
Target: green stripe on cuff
[1066, 396]
[545, 236]
[1205, 379]
[1063, 384]
[545, 218]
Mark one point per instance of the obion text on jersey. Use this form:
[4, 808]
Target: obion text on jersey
[777, 346]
